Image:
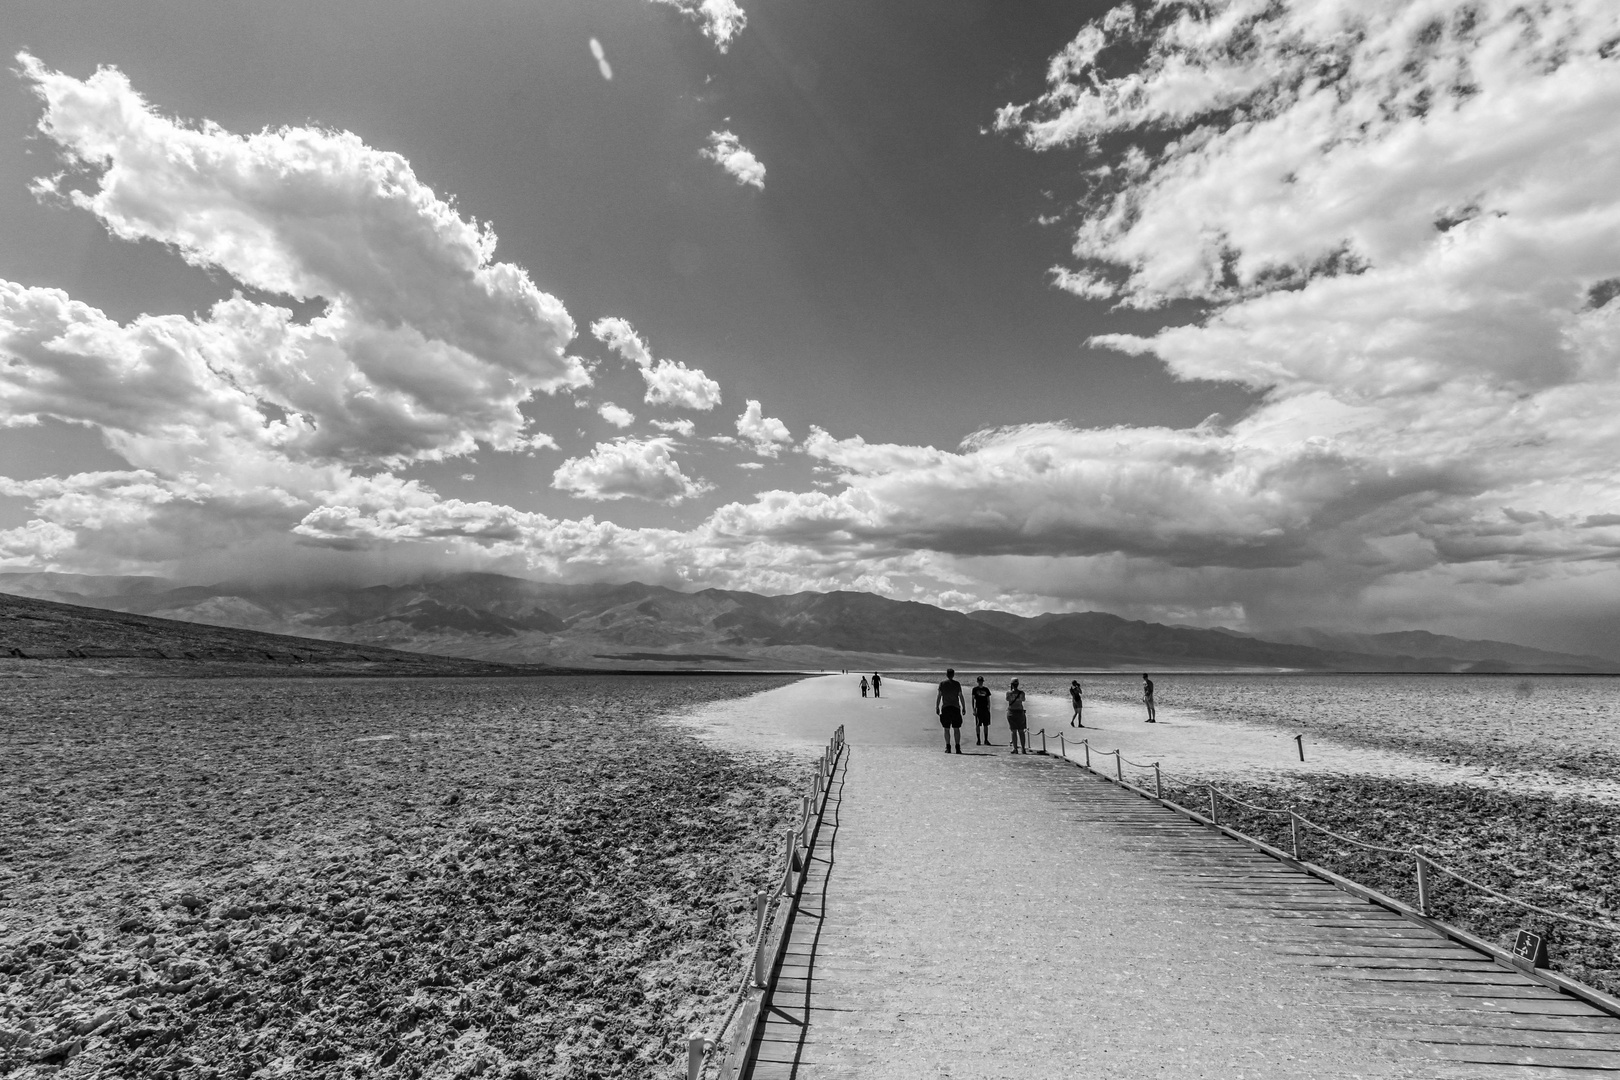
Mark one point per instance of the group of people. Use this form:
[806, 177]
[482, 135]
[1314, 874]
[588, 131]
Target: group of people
[950, 704]
[876, 685]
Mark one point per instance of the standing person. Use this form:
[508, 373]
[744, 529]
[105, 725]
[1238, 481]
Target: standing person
[863, 686]
[1147, 699]
[948, 705]
[1016, 721]
[981, 713]
[877, 685]
[1075, 696]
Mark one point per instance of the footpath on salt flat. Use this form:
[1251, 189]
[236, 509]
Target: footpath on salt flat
[992, 915]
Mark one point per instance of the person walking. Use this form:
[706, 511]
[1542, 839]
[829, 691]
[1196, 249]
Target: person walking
[981, 713]
[1147, 699]
[1016, 720]
[948, 706]
[1078, 700]
[863, 686]
[877, 685]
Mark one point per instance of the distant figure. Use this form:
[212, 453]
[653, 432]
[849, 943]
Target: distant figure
[877, 685]
[1016, 721]
[981, 713]
[1079, 702]
[1147, 699]
[948, 705]
[863, 686]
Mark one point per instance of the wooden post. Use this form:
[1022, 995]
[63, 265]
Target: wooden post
[1214, 811]
[1063, 747]
[696, 1046]
[1299, 741]
[1087, 744]
[1043, 740]
[1158, 782]
[1119, 766]
[1422, 883]
[761, 906]
[1293, 830]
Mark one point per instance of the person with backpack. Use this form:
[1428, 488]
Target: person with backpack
[1016, 720]
[981, 714]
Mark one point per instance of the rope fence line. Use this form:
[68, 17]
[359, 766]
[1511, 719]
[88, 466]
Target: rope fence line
[774, 909]
[1424, 865]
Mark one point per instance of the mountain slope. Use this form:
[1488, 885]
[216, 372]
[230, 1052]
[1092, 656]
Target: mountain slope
[493, 617]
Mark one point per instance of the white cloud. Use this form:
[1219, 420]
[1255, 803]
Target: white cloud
[628, 468]
[668, 383]
[727, 151]
[600, 56]
[765, 434]
[613, 414]
[426, 348]
[722, 20]
[750, 465]
[683, 428]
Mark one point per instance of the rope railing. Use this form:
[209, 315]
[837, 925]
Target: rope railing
[795, 864]
[1424, 865]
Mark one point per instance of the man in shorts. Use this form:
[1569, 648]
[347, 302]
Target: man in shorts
[877, 685]
[1077, 698]
[1017, 721]
[1147, 699]
[981, 714]
[948, 705]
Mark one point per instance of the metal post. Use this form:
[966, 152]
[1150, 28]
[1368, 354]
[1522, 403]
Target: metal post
[1293, 830]
[1422, 883]
[1214, 811]
[696, 1047]
[1158, 782]
[761, 905]
[1119, 766]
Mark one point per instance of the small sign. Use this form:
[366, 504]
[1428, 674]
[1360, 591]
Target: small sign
[1530, 948]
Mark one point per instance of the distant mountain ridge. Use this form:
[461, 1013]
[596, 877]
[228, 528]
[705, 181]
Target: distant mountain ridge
[512, 620]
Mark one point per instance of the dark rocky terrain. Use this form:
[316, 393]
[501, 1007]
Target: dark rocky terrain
[371, 877]
[493, 617]
[41, 637]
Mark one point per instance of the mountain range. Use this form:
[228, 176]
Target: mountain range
[493, 617]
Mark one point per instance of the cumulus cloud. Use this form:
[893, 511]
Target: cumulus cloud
[668, 383]
[765, 434]
[628, 469]
[427, 346]
[727, 151]
[613, 414]
[722, 20]
[683, 428]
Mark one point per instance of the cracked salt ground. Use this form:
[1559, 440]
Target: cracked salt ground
[980, 920]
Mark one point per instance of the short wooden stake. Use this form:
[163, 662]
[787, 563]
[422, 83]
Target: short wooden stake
[1422, 883]
[696, 1047]
[1158, 782]
[1293, 830]
[1299, 741]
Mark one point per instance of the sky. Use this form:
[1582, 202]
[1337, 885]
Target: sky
[1249, 314]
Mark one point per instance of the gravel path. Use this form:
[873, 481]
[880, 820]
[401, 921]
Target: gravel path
[971, 931]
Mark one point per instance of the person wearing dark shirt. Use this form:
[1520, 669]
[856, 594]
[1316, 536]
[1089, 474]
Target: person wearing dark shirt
[1147, 699]
[863, 686]
[1017, 721]
[1077, 698]
[981, 714]
[948, 705]
[877, 685]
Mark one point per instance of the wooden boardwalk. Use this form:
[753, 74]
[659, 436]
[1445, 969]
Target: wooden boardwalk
[1436, 1010]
